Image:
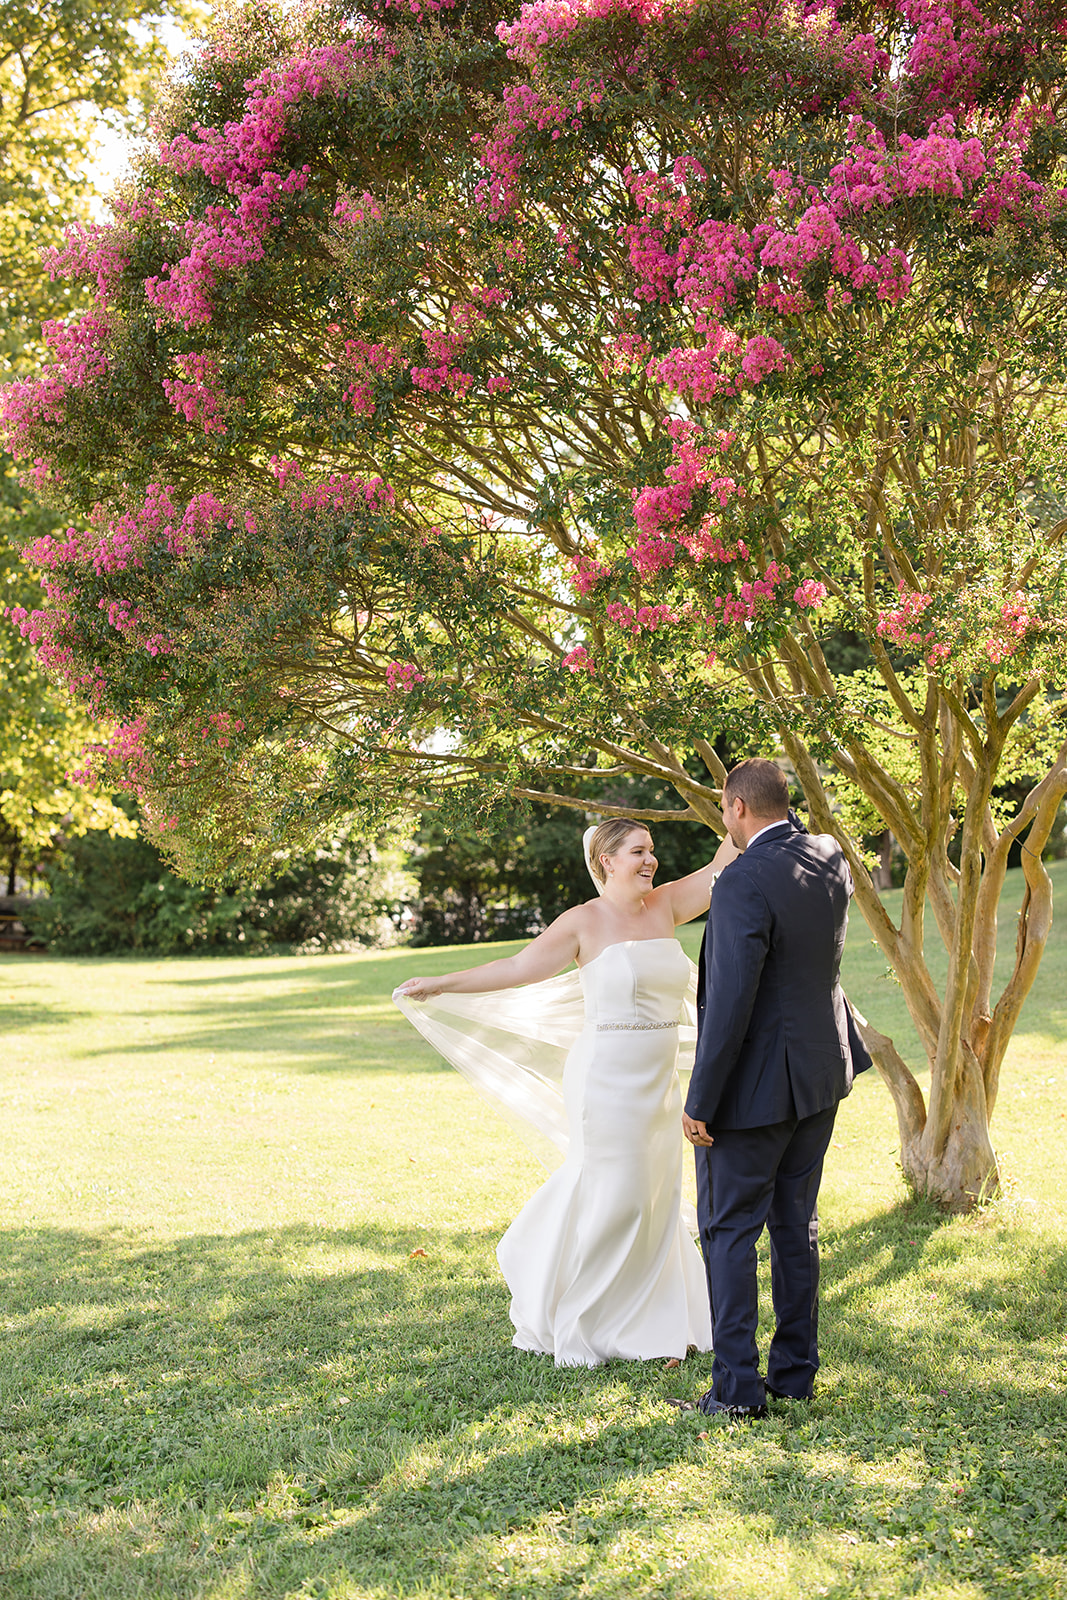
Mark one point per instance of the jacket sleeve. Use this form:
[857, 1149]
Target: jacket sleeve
[741, 935]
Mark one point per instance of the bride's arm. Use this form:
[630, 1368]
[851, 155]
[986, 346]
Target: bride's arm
[542, 958]
[689, 897]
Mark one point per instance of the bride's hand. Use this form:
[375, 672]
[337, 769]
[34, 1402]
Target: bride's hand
[419, 988]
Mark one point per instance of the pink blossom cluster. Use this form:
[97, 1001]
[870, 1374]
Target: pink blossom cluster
[1014, 195]
[542, 24]
[659, 506]
[237, 155]
[432, 380]
[625, 351]
[369, 362]
[195, 395]
[579, 660]
[121, 615]
[643, 619]
[421, 8]
[118, 543]
[955, 47]
[221, 242]
[34, 626]
[705, 543]
[763, 355]
[691, 466]
[1016, 621]
[901, 625]
[284, 471]
[402, 676]
[125, 618]
[652, 554]
[810, 594]
[240, 157]
[126, 754]
[221, 727]
[80, 360]
[523, 110]
[695, 373]
[713, 262]
[817, 236]
[91, 250]
[587, 573]
[350, 210]
[871, 174]
[342, 492]
[751, 596]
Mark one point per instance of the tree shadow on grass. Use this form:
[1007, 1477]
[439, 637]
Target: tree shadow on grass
[331, 1017]
[20, 1017]
[321, 1402]
[291, 1038]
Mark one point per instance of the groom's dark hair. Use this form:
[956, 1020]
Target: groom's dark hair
[761, 784]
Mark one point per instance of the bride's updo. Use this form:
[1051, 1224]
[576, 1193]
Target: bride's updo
[607, 838]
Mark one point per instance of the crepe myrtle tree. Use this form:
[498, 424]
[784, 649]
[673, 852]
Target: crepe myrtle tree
[473, 399]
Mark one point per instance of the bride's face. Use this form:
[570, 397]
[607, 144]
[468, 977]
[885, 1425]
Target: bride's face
[634, 861]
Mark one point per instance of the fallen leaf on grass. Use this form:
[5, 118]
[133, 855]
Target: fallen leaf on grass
[413, 1253]
[673, 1362]
[704, 1435]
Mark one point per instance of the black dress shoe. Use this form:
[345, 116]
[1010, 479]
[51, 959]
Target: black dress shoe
[717, 1408]
[777, 1394]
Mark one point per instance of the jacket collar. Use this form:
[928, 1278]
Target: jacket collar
[773, 830]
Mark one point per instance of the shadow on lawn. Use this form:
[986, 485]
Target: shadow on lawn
[328, 1015]
[20, 1017]
[204, 1370]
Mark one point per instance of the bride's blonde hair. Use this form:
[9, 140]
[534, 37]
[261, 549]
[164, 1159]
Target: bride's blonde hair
[608, 837]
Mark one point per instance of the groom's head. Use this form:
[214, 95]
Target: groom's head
[754, 795]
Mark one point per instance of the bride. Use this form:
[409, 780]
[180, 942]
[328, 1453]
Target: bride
[599, 1262]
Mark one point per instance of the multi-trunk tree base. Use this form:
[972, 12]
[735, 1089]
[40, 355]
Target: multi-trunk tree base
[963, 1174]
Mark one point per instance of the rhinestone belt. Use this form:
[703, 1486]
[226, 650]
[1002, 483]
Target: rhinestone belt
[632, 1027]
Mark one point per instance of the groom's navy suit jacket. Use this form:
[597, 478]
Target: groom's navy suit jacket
[775, 1036]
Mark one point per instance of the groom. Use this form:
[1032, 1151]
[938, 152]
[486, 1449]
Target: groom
[775, 1049]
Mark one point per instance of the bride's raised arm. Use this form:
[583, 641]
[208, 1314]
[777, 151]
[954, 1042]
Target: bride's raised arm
[690, 896]
[542, 958]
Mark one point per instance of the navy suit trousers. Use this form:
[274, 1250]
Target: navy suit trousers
[749, 1178]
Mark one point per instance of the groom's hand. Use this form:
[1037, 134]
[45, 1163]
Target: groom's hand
[696, 1131]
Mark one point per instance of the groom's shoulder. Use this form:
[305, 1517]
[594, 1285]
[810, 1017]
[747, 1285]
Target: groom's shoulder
[815, 848]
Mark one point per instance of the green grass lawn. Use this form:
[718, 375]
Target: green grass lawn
[255, 1342]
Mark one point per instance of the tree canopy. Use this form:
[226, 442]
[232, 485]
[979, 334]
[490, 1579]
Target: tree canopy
[62, 64]
[472, 399]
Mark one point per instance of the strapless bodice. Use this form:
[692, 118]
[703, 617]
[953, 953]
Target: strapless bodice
[639, 982]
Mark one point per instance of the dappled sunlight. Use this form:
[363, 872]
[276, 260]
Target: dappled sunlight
[357, 1405]
[257, 1343]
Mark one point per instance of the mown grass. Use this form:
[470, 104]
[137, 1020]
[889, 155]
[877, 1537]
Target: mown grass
[255, 1343]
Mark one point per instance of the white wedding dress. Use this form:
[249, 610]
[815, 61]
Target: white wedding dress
[600, 1262]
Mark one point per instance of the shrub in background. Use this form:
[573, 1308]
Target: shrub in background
[113, 894]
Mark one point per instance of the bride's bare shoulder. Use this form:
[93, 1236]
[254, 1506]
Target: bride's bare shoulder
[577, 918]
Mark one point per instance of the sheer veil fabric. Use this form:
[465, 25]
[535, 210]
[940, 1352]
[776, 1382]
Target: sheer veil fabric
[512, 1045]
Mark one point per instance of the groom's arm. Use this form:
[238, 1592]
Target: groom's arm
[741, 932]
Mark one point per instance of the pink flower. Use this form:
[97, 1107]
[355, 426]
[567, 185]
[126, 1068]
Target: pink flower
[579, 660]
[900, 625]
[194, 395]
[763, 356]
[810, 594]
[402, 676]
[652, 554]
[587, 573]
